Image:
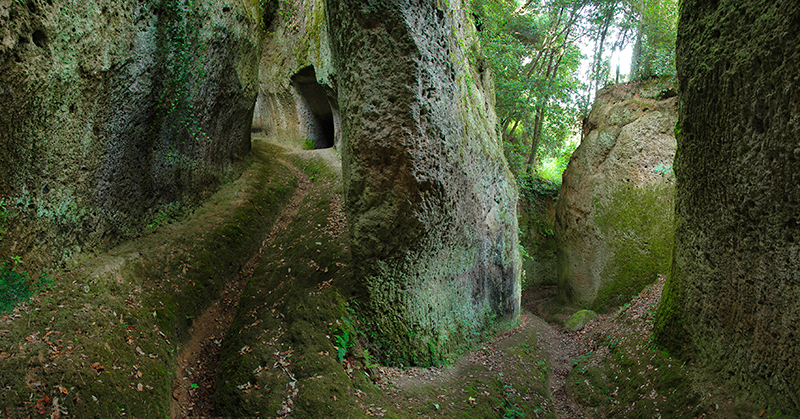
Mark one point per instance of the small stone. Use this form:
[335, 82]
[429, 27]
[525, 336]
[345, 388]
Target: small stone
[579, 320]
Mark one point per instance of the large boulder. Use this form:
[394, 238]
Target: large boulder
[732, 295]
[431, 204]
[614, 216]
[115, 112]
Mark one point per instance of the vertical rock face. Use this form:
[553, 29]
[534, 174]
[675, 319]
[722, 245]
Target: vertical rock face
[733, 292]
[113, 112]
[431, 204]
[614, 217]
[297, 94]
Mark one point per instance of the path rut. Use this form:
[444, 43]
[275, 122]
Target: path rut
[194, 384]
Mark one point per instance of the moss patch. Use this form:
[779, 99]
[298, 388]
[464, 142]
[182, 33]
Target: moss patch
[627, 375]
[579, 320]
[637, 222]
[283, 337]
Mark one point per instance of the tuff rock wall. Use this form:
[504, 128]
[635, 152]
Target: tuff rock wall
[297, 93]
[431, 204]
[114, 113]
[732, 295]
[614, 216]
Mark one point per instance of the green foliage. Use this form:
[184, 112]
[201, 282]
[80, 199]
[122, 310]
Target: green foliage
[183, 53]
[531, 187]
[14, 287]
[5, 216]
[344, 337]
[654, 51]
[534, 57]
[343, 344]
[170, 212]
[309, 144]
[665, 170]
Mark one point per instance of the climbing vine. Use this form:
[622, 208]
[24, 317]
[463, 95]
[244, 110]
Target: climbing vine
[184, 53]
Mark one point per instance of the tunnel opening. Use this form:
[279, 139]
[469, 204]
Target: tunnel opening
[318, 118]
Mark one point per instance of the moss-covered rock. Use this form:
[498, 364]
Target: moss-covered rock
[579, 320]
[113, 112]
[732, 294]
[614, 216]
[537, 215]
[431, 204]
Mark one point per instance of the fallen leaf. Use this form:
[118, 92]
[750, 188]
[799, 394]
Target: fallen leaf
[5, 355]
[140, 387]
[98, 367]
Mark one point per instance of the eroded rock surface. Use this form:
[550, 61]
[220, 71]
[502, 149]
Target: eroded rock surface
[732, 295]
[431, 204]
[614, 213]
[115, 114]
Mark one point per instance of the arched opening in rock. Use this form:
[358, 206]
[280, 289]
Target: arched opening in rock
[319, 116]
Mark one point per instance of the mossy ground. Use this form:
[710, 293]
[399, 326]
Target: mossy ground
[104, 339]
[101, 342]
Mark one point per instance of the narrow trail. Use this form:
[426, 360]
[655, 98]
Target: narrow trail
[194, 384]
[562, 348]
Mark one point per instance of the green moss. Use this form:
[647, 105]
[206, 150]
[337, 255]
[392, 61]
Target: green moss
[127, 312]
[293, 305]
[637, 223]
[579, 320]
[632, 378]
[668, 330]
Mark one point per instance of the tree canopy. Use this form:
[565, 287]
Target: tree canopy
[534, 51]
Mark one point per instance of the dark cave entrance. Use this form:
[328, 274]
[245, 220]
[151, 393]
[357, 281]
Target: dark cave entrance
[319, 118]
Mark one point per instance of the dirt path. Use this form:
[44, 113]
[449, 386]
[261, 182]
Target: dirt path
[547, 355]
[193, 388]
[562, 348]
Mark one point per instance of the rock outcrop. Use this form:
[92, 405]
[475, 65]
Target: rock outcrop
[115, 112]
[431, 204]
[614, 217]
[732, 294]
